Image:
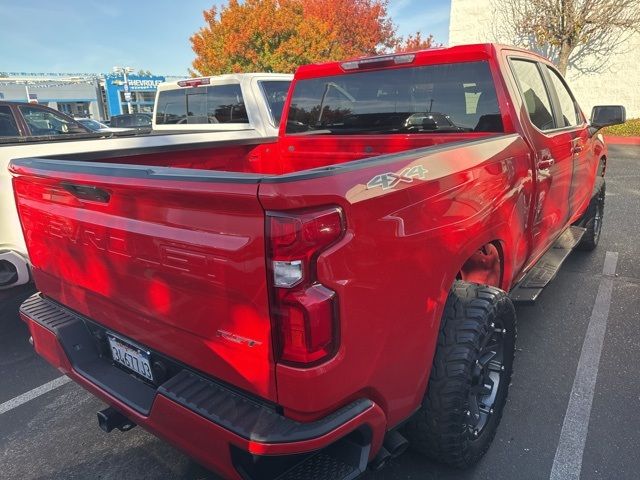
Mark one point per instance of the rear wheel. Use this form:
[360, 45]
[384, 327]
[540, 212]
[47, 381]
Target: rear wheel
[592, 220]
[470, 376]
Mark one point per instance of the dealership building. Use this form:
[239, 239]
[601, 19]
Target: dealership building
[98, 96]
[142, 91]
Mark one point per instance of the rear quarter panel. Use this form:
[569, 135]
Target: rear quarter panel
[394, 268]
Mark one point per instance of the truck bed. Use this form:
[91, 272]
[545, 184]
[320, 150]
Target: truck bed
[267, 156]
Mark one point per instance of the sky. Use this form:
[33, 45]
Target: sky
[91, 36]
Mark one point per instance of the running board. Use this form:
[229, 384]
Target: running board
[545, 270]
[345, 459]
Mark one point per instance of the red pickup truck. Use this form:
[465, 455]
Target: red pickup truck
[300, 308]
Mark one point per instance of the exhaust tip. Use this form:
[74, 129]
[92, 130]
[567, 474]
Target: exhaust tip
[395, 443]
[380, 460]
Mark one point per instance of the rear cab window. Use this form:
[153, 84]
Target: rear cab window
[211, 104]
[446, 98]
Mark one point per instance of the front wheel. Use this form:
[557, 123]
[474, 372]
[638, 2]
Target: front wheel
[470, 376]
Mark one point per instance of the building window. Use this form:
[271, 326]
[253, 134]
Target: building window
[74, 109]
[141, 102]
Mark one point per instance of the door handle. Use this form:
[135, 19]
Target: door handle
[546, 163]
[577, 149]
[87, 192]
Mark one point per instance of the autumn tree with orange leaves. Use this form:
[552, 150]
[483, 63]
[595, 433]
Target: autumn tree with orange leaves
[279, 35]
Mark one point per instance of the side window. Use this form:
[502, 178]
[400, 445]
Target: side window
[44, 122]
[8, 127]
[276, 94]
[142, 120]
[534, 93]
[570, 115]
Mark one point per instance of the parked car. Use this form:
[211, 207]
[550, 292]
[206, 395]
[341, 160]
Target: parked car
[27, 120]
[96, 126]
[277, 309]
[131, 120]
[223, 103]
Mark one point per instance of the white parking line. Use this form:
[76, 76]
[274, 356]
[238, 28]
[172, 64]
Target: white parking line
[567, 463]
[31, 394]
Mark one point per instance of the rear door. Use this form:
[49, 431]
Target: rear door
[585, 162]
[172, 259]
[553, 153]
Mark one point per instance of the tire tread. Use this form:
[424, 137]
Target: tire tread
[439, 429]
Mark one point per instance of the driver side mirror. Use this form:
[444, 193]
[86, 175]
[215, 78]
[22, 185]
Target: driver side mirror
[607, 115]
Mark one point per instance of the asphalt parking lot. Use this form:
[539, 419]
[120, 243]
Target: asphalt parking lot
[54, 435]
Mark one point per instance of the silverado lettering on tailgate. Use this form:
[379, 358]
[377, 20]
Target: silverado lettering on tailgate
[174, 256]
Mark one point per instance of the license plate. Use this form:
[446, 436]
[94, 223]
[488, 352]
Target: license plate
[131, 357]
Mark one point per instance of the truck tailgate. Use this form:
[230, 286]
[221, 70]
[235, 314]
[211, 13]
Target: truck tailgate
[172, 259]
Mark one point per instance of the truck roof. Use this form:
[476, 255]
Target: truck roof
[459, 53]
[230, 77]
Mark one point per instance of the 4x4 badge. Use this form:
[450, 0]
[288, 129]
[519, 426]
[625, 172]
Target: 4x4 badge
[390, 180]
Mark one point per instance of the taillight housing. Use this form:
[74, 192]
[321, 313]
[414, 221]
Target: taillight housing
[304, 312]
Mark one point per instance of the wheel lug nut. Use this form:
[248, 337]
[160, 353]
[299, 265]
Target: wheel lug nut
[468, 413]
[491, 411]
[475, 433]
[502, 368]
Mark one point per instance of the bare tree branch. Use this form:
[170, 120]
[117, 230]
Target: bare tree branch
[581, 34]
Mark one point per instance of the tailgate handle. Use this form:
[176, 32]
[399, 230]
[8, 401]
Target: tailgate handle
[87, 192]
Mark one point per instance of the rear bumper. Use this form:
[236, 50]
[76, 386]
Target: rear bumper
[228, 431]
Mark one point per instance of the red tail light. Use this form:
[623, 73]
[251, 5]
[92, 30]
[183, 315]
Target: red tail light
[304, 311]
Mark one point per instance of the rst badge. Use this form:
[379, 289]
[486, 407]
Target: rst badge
[390, 180]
